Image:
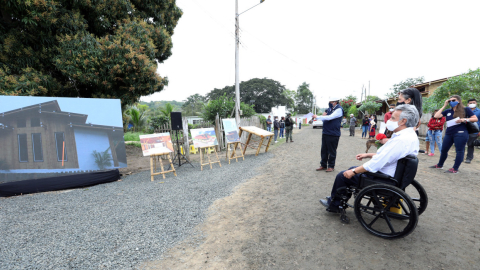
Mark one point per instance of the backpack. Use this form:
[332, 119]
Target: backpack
[287, 122]
[282, 124]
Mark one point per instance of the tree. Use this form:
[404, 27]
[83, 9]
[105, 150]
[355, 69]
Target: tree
[304, 98]
[290, 98]
[193, 105]
[404, 85]
[369, 107]
[353, 110]
[265, 94]
[466, 85]
[347, 102]
[137, 116]
[107, 49]
[167, 110]
[224, 106]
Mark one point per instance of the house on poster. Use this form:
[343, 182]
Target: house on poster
[204, 137]
[156, 144]
[42, 138]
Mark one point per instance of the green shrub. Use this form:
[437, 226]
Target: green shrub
[132, 136]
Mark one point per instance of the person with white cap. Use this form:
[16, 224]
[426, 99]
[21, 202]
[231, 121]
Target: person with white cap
[353, 123]
[332, 119]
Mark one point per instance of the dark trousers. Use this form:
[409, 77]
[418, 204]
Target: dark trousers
[352, 130]
[329, 151]
[460, 140]
[471, 137]
[275, 132]
[342, 181]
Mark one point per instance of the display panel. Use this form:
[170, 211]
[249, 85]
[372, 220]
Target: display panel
[204, 137]
[156, 144]
[231, 131]
[48, 136]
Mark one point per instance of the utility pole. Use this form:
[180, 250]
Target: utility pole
[369, 88]
[237, 69]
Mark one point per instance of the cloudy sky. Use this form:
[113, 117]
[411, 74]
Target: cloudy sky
[335, 46]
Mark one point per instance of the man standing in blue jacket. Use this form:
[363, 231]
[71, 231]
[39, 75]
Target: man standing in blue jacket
[332, 119]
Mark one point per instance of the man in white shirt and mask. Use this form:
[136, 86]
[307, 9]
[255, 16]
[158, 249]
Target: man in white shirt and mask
[404, 142]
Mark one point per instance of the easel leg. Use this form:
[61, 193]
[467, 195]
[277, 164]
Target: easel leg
[209, 160]
[161, 167]
[240, 145]
[171, 165]
[201, 158]
[228, 148]
[259, 146]
[151, 167]
[217, 158]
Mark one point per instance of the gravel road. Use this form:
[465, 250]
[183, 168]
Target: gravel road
[116, 225]
[274, 220]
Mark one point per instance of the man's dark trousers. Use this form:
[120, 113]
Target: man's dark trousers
[471, 137]
[342, 181]
[329, 150]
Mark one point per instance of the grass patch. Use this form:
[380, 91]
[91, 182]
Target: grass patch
[137, 144]
[132, 136]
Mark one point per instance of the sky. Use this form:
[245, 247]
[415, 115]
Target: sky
[106, 112]
[335, 46]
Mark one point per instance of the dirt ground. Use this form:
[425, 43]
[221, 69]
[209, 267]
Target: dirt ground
[274, 221]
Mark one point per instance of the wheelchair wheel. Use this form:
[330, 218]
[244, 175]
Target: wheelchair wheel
[386, 211]
[418, 195]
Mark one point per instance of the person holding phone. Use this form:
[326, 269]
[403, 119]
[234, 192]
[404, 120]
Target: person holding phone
[456, 133]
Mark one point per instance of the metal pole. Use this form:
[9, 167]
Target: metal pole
[237, 84]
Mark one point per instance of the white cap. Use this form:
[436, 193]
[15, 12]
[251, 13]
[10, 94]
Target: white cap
[334, 99]
[351, 114]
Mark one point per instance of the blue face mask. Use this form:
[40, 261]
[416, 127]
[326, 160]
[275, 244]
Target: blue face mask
[453, 103]
[330, 105]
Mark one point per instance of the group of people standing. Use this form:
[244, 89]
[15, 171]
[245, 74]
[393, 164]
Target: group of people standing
[282, 128]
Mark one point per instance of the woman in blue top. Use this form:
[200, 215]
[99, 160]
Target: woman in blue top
[456, 133]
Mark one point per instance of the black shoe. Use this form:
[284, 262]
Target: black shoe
[468, 161]
[325, 203]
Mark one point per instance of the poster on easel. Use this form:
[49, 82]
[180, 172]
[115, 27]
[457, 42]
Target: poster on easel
[231, 132]
[154, 144]
[204, 137]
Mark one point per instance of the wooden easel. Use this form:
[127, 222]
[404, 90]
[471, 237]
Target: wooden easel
[234, 153]
[153, 165]
[210, 162]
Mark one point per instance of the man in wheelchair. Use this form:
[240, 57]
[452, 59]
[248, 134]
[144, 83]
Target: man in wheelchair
[403, 143]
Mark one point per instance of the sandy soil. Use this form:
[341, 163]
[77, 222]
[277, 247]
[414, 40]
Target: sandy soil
[274, 221]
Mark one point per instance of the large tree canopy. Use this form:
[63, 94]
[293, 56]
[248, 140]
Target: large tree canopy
[304, 99]
[84, 48]
[262, 93]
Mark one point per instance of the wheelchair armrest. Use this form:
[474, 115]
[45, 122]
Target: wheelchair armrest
[381, 176]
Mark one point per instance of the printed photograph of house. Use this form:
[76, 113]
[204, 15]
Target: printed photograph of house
[156, 144]
[44, 135]
[204, 137]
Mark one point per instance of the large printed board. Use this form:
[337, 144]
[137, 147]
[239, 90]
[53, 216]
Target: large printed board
[204, 137]
[48, 136]
[156, 144]
[231, 132]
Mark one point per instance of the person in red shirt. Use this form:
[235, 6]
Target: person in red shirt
[388, 115]
[434, 133]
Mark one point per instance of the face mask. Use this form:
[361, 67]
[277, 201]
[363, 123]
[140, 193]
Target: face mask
[391, 125]
[330, 105]
[392, 110]
[400, 103]
[473, 105]
[453, 103]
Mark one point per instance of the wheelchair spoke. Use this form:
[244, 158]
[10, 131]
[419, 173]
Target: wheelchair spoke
[398, 216]
[387, 219]
[373, 221]
[391, 202]
[377, 201]
[416, 199]
[404, 208]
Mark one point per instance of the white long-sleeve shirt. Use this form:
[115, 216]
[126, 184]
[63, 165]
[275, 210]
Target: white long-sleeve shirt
[402, 144]
[336, 114]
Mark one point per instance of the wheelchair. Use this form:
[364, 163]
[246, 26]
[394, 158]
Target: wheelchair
[382, 205]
